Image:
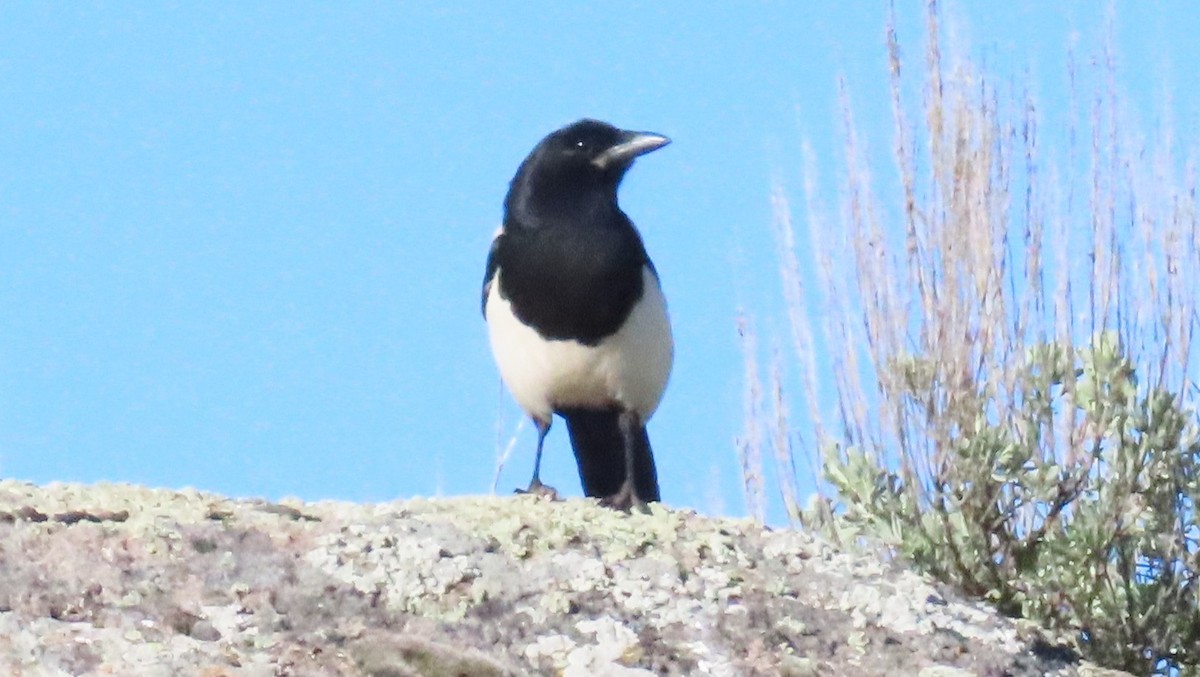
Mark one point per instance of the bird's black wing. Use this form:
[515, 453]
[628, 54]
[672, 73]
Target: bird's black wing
[489, 273]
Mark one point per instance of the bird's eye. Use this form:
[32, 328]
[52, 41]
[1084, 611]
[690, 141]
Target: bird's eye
[581, 144]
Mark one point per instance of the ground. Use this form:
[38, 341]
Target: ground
[118, 579]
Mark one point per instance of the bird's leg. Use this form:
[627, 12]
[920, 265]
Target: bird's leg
[535, 485]
[543, 427]
[626, 497]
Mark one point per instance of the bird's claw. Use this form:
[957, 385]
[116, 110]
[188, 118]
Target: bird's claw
[536, 488]
[625, 500]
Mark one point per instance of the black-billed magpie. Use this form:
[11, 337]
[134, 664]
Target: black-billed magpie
[575, 314]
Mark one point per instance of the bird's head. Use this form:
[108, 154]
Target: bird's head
[587, 158]
[594, 146]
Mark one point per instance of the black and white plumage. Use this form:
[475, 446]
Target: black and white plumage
[576, 317]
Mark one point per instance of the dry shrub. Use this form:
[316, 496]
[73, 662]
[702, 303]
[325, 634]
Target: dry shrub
[1010, 330]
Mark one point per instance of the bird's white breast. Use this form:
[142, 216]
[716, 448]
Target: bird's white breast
[629, 368]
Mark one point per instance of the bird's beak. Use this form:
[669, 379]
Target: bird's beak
[632, 145]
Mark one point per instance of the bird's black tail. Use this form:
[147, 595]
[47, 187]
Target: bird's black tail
[600, 452]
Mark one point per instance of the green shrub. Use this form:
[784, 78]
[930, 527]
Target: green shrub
[1102, 542]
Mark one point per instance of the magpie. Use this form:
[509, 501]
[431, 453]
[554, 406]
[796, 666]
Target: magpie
[576, 317]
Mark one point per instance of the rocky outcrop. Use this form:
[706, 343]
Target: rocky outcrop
[117, 579]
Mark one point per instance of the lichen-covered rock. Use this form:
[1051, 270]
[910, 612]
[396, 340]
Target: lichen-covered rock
[117, 579]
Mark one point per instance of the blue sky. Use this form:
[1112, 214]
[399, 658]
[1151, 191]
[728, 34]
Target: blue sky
[241, 244]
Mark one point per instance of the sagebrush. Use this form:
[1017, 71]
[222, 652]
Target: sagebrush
[1010, 325]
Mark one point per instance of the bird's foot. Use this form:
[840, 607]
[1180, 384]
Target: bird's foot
[538, 489]
[625, 500]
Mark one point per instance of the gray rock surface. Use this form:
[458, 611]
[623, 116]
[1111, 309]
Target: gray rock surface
[123, 580]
